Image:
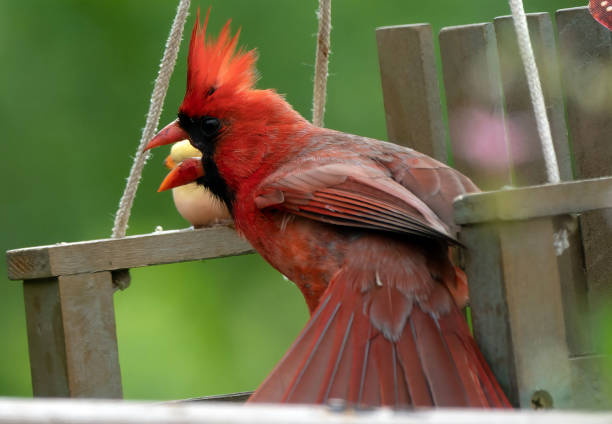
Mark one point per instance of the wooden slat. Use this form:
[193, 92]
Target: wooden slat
[591, 391]
[535, 201]
[45, 338]
[534, 300]
[64, 411]
[586, 58]
[410, 88]
[472, 84]
[516, 308]
[124, 253]
[489, 308]
[527, 157]
[574, 288]
[522, 134]
[72, 336]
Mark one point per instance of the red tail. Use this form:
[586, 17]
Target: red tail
[385, 334]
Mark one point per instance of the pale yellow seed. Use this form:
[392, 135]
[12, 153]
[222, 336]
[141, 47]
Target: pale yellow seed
[609, 9]
[604, 3]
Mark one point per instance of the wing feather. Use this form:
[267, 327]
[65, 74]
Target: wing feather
[355, 195]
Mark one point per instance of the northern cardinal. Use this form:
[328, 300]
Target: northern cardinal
[362, 227]
[194, 202]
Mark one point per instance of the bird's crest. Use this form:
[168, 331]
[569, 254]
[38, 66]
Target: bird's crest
[215, 67]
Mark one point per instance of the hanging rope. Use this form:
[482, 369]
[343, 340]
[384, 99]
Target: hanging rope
[560, 238]
[157, 101]
[321, 62]
[535, 90]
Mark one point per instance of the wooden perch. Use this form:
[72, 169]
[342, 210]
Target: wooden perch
[68, 291]
[123, 253]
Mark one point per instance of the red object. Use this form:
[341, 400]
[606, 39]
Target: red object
[602, 12]
[189, 170]
[361, 226]
[172, 131]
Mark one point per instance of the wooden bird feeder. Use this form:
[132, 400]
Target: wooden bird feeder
[538, 257]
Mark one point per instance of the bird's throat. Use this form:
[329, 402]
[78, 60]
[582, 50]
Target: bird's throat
[214, 182]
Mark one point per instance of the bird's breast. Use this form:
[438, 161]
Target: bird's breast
[306, 252]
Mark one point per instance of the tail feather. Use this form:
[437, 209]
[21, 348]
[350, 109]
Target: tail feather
[336, 370]
[495, 394]
[359, 360]
[440, 371]
[338, 389]
[278, 387]
[400, 382]
[369, 391]
[472, 364]
[384, 361]
[414, 374]
[466, 367]
[409, 353]
[308, 378]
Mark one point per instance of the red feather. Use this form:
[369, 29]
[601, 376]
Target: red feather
[215, 70]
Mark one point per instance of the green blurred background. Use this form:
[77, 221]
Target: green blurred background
[76, 77]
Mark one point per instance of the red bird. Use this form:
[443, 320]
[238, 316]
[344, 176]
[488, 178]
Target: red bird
[362, 227]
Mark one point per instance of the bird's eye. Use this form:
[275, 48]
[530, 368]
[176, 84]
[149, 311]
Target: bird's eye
[210, 126]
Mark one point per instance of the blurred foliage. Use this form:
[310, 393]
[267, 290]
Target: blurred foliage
[76, 77]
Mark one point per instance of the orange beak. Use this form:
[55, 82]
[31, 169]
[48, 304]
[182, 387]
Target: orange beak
[185, 172]
[171, 133]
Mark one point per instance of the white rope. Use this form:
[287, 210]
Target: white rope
[535, 90]
[157, 101]
[321, 62]
[560, 239]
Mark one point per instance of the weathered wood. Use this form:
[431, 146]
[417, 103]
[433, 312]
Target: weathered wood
[521, 130]
[535, 201]
[517, 308]
[64, 411]
[474, 100]
[574, 288]
[590, 390]
[535, 310]
[410, 88]
[46, 338]
[586, 58]
[72, 336]
[124, 253]
[488, 303]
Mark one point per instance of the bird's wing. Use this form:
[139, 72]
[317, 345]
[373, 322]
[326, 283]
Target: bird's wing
[436, 184]
[354, 194]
